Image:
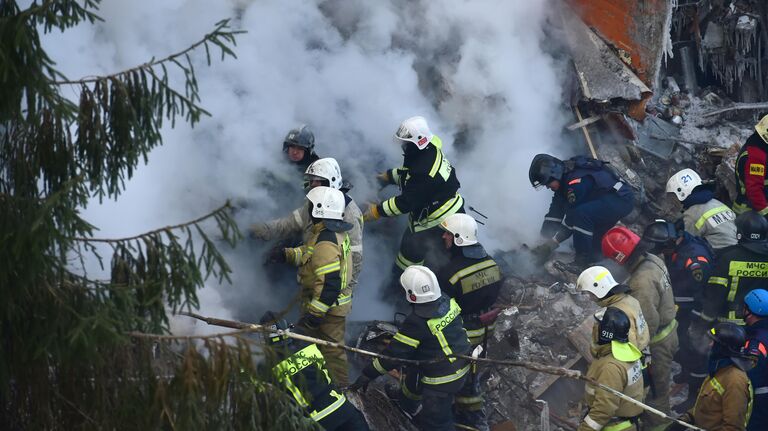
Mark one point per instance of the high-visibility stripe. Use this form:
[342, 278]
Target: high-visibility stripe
[471, 269]
[406, 340]
[408, 393]
[718, 387]
[437, 325]
[623, 425]
[450, 207]
[378, 367]
[749, 405]
[592, 423]
[718, 280]
[703, 219]
[446, 379]
[403, 263]
[474, 333]
[319, 306]
[390, 208]
[761, 390]
[340, 400]
[327, 269]
[344, 299]
[583, 231]
[664, 332]
[468, 400]
[436, 164]
[555, 219]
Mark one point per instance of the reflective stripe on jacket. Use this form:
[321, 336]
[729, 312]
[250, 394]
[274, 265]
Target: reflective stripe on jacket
[649, 284]
[323, 263]
[432, 330]
[713, 221]
[429, 187]
[724, 401]
[738, 271]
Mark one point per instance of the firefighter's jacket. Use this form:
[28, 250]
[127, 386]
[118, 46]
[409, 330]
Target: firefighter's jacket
[323, 262]
[638, 329]
[622, 371]
[432, 330]
[304, 376]
[299, 222]
[689, 269]
[428, 184]
[706, 217]
[757, 345]
[584, 180]
[751, 182]
[724, 402]
[649, 284]
[738, 270]
[474, 282]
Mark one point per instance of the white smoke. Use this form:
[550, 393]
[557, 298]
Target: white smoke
[352, 70]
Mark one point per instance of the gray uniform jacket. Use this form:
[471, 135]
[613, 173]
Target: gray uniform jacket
[298, 222]
[713, 221]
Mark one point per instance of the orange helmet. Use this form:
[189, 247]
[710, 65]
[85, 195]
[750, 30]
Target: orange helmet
[619, 243]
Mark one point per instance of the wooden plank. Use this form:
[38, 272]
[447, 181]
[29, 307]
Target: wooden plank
[552, 378]
[581, 338]
[585, 122]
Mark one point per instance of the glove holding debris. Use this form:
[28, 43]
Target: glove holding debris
[543, 251]
[276, 255]
[384, 179]
[309, 321]
[372, 213]
[361, 383]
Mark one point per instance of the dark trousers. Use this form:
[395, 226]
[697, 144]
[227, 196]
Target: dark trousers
[416, 246]
[692, 361]
[591, 220]
[431, 409]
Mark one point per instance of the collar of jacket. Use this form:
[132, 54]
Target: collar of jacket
[634, 262]
[715, 364]
[612, 299]
[701, 195]
[600, 350]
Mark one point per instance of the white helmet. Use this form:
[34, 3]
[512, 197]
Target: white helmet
[683, 183]
[416, 131]
[327, 203]
[327, 169]
[463, 228]
[597, 280]
[420, 284]
[762, 128]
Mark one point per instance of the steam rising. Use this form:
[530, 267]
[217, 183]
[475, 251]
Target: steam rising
[352, 70]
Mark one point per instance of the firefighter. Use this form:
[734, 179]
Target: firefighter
[616, 365]
[589, 199]
[323, 262]
[703, 215]
[429, 191]
[607, 292]
[750, 172]
[740, 268]
[473, 278]
[300, 369]
[299, 147]
[689, 260]
[322, 172]
[724, 401]
[756, 319]
[433, 328]
[649, 283]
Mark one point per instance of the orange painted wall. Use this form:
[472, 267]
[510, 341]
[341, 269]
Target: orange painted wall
[634, 26]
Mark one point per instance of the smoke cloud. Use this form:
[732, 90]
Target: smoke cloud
[352, 70]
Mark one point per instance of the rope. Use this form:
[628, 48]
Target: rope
[548, 369]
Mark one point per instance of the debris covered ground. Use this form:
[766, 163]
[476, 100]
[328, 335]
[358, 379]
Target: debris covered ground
[679, 84]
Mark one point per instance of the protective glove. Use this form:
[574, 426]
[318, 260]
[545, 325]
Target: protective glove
[310, 321]
[259, 231]
[361, 383]
[383, 179]
[372, 213]
[543, 251]
[277, 255]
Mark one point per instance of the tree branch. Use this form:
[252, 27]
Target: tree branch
[209, 37]
[156, 231]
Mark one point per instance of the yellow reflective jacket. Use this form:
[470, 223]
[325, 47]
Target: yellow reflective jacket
[638, 328]
[324, 265]
[608, 411]
[724, 402]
